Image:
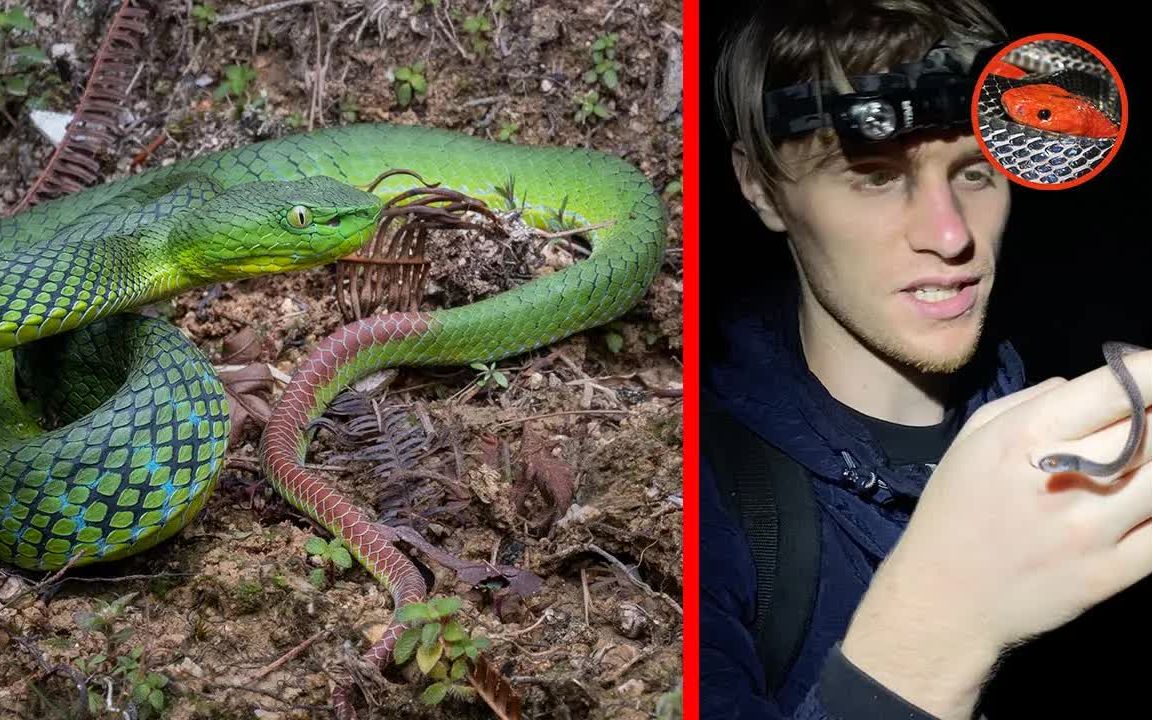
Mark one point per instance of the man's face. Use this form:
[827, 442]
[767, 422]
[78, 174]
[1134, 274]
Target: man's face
[897, 243]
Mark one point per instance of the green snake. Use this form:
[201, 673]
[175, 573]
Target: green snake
[140, 418]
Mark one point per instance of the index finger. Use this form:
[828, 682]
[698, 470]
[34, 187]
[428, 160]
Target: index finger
[1092, 401]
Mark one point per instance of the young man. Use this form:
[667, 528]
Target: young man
[872, 374]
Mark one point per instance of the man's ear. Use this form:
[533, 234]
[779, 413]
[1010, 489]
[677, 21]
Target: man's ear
[753, 190]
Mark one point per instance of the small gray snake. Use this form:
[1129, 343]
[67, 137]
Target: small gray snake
[1114, 353]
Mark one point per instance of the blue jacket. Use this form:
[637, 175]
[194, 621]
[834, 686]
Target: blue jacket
[761, 377]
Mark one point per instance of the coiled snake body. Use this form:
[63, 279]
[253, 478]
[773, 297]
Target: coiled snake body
[143, 420]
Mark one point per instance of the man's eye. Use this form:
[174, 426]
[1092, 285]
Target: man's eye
[876, 177]
[980, 175]
[880, 177]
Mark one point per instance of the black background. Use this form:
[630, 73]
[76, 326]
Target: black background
[1075, 271]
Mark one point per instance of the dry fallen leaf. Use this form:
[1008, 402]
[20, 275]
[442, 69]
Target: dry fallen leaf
[248, 389]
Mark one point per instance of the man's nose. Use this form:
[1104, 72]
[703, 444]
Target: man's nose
[937, 221]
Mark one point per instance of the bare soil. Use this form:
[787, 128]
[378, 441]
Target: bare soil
[595, 419]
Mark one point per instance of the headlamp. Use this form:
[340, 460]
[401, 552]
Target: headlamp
[935, 92]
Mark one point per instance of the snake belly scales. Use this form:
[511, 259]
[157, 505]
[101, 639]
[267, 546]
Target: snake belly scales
[141, 420]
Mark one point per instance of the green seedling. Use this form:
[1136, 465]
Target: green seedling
[606, 68]
[489, 375]
[508, 131]
[236, 82]
[331, 553]
[20, 65]
[477, 27]
[442, 648]
[591, 106]
[410, 83]
[203, 15]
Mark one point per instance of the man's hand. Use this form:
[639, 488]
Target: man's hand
[998, 551]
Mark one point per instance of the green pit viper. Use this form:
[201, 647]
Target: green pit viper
[115, 434]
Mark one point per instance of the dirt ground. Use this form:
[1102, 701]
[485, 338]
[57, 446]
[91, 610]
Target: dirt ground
[232, 618]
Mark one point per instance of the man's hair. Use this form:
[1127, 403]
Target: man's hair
[778, 43]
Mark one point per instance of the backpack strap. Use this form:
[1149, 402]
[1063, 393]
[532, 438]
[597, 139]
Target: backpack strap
[771, 496]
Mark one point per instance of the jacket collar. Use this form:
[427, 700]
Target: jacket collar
[762, 378]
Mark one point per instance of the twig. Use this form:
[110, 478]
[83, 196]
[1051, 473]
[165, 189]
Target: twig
[45, 583]
[325, 468]
[277, 696]
[573, 231]
[591, 547]
[48, 669]
[608, 15]
[615, 674]
[587, 597]
[243, 464]
[485, 100]
[318, 71]
[518, 633]
[559, 413]
[140, 157]
[289, 655]
[451, 33]
[274, 7]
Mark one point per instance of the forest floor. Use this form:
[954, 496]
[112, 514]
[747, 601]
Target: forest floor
[233, 618]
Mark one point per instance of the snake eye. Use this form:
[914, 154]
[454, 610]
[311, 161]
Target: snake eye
[1044, 114]
[299, 216]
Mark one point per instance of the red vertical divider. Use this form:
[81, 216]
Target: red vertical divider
[691, 246]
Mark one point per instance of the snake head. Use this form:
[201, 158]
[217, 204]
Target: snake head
[273, 226]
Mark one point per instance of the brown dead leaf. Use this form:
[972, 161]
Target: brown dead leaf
[242, 347]
[548, 473]
[248, 389]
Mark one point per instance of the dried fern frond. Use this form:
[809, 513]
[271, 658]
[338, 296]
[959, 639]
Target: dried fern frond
[495, 689]
[74, 164]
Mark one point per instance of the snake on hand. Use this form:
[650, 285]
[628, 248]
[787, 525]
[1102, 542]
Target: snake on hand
[1114, 353]
[114, 426]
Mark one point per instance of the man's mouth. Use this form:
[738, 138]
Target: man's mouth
[943, 298]
[935, 293]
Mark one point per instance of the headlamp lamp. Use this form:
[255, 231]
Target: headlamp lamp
[935, 92]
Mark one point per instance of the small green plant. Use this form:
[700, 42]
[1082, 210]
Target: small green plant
[145, 688]
[508, 131]
[614, 341]
[669, 705]
[591, 106]
[127, 670]
[349, 110]
[103, 621]
[441, 646]
[294, 120]
[489, 375]
[236, 82]
[410, 83]
[606, 68]
[508, 193]
[203, 15]
[330, 553]
[477, 26]
[148, 688]
[19, 63]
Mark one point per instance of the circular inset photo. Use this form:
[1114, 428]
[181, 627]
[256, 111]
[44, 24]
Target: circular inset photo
[1051, 111]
